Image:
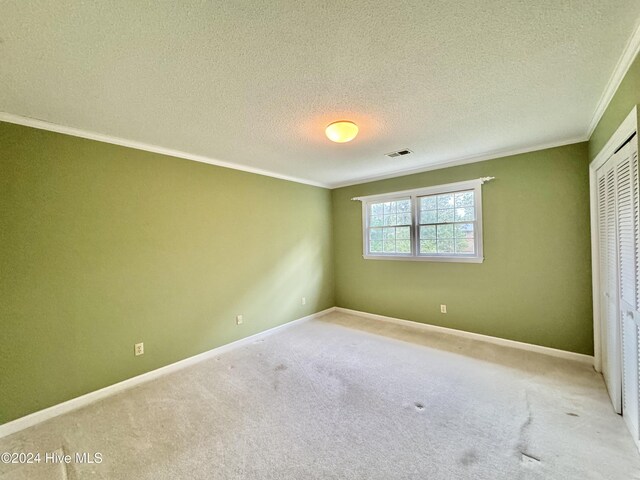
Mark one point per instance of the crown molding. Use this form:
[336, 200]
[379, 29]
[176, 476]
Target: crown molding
[461, 161]
[76, 132]
[625, 61]
[123, 142]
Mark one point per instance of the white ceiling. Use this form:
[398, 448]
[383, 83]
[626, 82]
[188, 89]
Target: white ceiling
[254, 83]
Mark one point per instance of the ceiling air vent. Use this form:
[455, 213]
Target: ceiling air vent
[399, 153]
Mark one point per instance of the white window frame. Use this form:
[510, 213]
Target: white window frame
[414, 195]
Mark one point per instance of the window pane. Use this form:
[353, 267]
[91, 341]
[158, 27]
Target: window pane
[465, 214]
[428, 203]
[428, 231]
[445, 245]
[445, 231]
[403, 233]
[428, 246]
[429, 216]
[404, 219]
[464, 245]
[389, 240]
[376, 221]
[464, 199]
[404, 206]
[389, 207]
[463, 230]
[389, 214]
[375, 246]
[445, 215]
[403, 246]
[446, 201]
[390, 219]
[389, 234]
[447, 207]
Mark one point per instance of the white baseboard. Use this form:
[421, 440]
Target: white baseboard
[78, 402]
[579, 357]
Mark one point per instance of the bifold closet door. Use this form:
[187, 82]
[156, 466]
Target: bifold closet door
[619, 259]
[626, 168]
[609, 308]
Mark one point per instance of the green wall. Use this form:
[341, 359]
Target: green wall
[535, 283]
[104, 246]
[626, 97]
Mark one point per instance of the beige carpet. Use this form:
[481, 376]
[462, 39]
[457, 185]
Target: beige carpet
[347, 398]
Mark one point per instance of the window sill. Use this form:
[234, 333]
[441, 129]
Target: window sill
[406, 258]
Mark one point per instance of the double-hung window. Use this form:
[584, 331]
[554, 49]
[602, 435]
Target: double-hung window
[440, 223]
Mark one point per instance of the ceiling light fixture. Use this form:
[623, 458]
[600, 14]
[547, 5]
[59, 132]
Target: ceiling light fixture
[341, 131]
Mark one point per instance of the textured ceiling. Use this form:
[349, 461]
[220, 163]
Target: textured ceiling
[255, 82]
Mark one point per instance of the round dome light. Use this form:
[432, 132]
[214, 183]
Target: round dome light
[342, 131]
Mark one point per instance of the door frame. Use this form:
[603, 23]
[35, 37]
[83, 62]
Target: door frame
[627, 128]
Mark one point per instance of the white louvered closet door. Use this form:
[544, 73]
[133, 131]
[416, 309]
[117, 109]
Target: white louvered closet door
[609, 308]
[619, 252]
[628, 243]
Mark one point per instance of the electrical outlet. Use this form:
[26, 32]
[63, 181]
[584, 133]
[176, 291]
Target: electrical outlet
[239, 319]
[304, 300]
[138, 349]
[443, 309]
